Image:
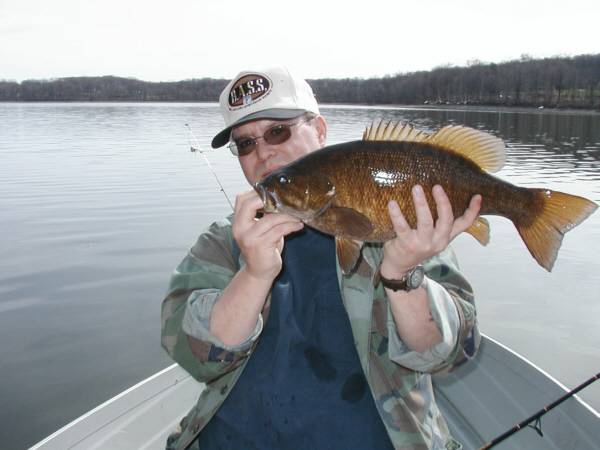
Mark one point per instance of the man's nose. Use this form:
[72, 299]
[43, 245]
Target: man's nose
[264, 150]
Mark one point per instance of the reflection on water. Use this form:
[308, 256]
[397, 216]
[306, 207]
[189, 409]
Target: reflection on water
[100, 202]
[541, 145]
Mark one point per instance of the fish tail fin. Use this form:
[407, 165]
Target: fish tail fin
[559, 213]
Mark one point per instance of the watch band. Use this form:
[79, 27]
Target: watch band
[411, 280]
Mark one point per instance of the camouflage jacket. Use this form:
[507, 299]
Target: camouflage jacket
[399, 378]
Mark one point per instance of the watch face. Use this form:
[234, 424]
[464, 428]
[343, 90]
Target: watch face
[416, 277]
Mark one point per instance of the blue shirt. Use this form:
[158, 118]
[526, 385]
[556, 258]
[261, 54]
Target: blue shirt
[303, 387]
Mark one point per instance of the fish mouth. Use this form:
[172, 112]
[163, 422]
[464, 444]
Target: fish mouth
[269, 201]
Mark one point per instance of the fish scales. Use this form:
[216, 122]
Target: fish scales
[368, 176]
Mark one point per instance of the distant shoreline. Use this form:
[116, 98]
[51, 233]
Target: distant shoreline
[549, 83]
[449, 107]
[552, 83]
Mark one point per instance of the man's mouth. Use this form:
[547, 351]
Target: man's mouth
[266, 173]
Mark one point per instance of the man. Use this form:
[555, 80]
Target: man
[294, 354]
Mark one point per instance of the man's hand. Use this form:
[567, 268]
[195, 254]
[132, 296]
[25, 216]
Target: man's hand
[235, 314]
[261, 240]
[411, 247]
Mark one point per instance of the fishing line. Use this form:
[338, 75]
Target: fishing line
[538, 415]
[196, 149]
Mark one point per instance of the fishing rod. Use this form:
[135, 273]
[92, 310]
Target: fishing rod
[537, 416]
[196, 149]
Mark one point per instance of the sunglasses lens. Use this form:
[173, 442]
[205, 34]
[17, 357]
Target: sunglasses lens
[274, 135]
[245, 146]
[278, 134]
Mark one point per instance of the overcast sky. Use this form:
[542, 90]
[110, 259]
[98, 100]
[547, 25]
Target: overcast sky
[182, 39]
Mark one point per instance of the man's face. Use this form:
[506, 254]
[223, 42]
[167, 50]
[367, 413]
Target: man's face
[305, 138]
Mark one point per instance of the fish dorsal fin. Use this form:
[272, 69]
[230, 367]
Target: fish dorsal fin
[393, 131]
[484, 149]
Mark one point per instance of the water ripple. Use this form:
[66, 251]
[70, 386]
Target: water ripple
[101, 202]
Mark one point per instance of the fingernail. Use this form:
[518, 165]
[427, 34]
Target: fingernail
[417, 189]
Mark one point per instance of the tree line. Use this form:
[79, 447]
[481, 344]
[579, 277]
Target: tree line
[567, 82]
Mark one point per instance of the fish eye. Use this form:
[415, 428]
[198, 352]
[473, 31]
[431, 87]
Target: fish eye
[283, 179]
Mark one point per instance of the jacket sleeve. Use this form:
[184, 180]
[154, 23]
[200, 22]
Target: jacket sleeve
[195, 287]
[452, 307]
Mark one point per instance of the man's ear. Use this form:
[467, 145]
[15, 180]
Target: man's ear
[321, 126]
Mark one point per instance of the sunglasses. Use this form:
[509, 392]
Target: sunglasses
[275, 135]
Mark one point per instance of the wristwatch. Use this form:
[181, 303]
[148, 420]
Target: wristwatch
[411, 280]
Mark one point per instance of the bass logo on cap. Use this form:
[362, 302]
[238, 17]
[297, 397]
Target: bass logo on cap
[248, 90]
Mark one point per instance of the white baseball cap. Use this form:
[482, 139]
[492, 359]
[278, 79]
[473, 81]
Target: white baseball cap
[263, 94]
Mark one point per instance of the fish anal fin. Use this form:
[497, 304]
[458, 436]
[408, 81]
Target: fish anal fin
[348, 252]
[346, 222]
[484, 149]
[480, 230]
[393, 131]
[558, 214]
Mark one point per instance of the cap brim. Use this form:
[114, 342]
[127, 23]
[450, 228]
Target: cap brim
[274, 114]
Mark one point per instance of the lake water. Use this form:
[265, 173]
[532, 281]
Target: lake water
[99, 202]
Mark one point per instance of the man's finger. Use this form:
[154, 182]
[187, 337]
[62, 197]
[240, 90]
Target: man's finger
[281, 230]
[268, 222]
[445, 219]
[423, 213]
[246, 205]
[398, 221]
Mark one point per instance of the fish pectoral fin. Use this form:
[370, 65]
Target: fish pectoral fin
[348, 252]
[484, 149]
[347, 221]
[480, 230]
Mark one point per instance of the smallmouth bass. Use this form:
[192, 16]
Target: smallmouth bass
[343, 189]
